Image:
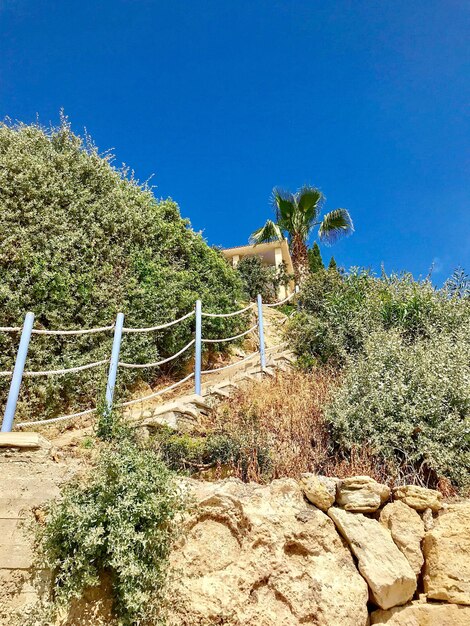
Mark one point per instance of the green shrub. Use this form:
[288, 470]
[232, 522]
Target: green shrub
[338, 313]
[191, 453]
[410, 403]
[82, 240]
[120, 521]
[261, 279]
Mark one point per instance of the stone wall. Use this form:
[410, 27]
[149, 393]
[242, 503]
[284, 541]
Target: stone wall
[325, 552]
[319, 552]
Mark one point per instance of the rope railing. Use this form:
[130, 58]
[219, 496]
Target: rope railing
[84, 331]
[160, 327]
[156, 393]
[68, 370]
[225, 367]
[57, 419]
[247, 308]
[247, 332]
[157, 363]
[114, 363]
[294, 293]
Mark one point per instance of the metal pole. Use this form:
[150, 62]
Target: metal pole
[198, 349]
[17, 376]
[113, 365]
[262, 355]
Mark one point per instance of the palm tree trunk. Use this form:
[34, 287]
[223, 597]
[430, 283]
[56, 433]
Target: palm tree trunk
[299, 255]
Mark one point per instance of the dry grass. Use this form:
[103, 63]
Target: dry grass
[284, 417]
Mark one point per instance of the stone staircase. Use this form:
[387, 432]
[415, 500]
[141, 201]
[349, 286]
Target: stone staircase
[183, 413]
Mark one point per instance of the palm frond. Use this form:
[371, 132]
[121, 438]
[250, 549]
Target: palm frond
[309, 200]
[284, 204]
[269, 232]
[334, 225]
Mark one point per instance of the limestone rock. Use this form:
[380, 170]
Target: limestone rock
[418, 498]
[389, 575]
[361, 494]
[407, 529]
[428, 519]
[319, 490]
[447, 556]
[417, 614]
[256, 555]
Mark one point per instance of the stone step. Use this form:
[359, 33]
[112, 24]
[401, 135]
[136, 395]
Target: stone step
[15, 556]
[12, 531]
[23, 440]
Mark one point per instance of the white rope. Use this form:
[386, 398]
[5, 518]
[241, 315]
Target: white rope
[170, 358]
[219, 369]
[282, 301]
[10, 329]
[231, 338]
[68, 370]
[157, 393]
[160, 327]
[56, 419]
[229, 314]
[85, 331]
[6, 373]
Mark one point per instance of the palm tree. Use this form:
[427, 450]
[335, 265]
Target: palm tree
[297, 214]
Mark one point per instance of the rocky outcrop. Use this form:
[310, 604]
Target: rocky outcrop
[407, 530]
[319, 490]
[253, 555]
[418, 498]
[422, 614]
[447, 556]
[361, 494]
[388, 573]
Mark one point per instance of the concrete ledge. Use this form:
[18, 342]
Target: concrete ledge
[23, 440]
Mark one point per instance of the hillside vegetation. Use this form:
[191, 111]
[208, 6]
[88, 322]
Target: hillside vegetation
[82, 240]
[402, 348]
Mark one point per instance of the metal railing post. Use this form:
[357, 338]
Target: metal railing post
[198, 349]
[262, 355]
[17, 376]
[113, 365]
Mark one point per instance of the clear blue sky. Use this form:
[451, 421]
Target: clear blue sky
[221, 100]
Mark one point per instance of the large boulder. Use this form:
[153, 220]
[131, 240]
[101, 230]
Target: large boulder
[262, 556]
[418, 498]
[447, 556]
[361, 494]
[319, 490]
[407, 530]
[391, 580]
[418, 614]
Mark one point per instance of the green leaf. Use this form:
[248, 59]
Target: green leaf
[269, 232]
[335, 224]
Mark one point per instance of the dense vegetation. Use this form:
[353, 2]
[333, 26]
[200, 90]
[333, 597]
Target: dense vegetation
[82, 240]
[118, 522]
[262, 279]
[403, 348]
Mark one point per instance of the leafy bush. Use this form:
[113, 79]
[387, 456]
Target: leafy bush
[410, 403]
[120, 521]
[220, 448]
[403, 347]
[338, 313]
[261, 279]
[82, 240]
